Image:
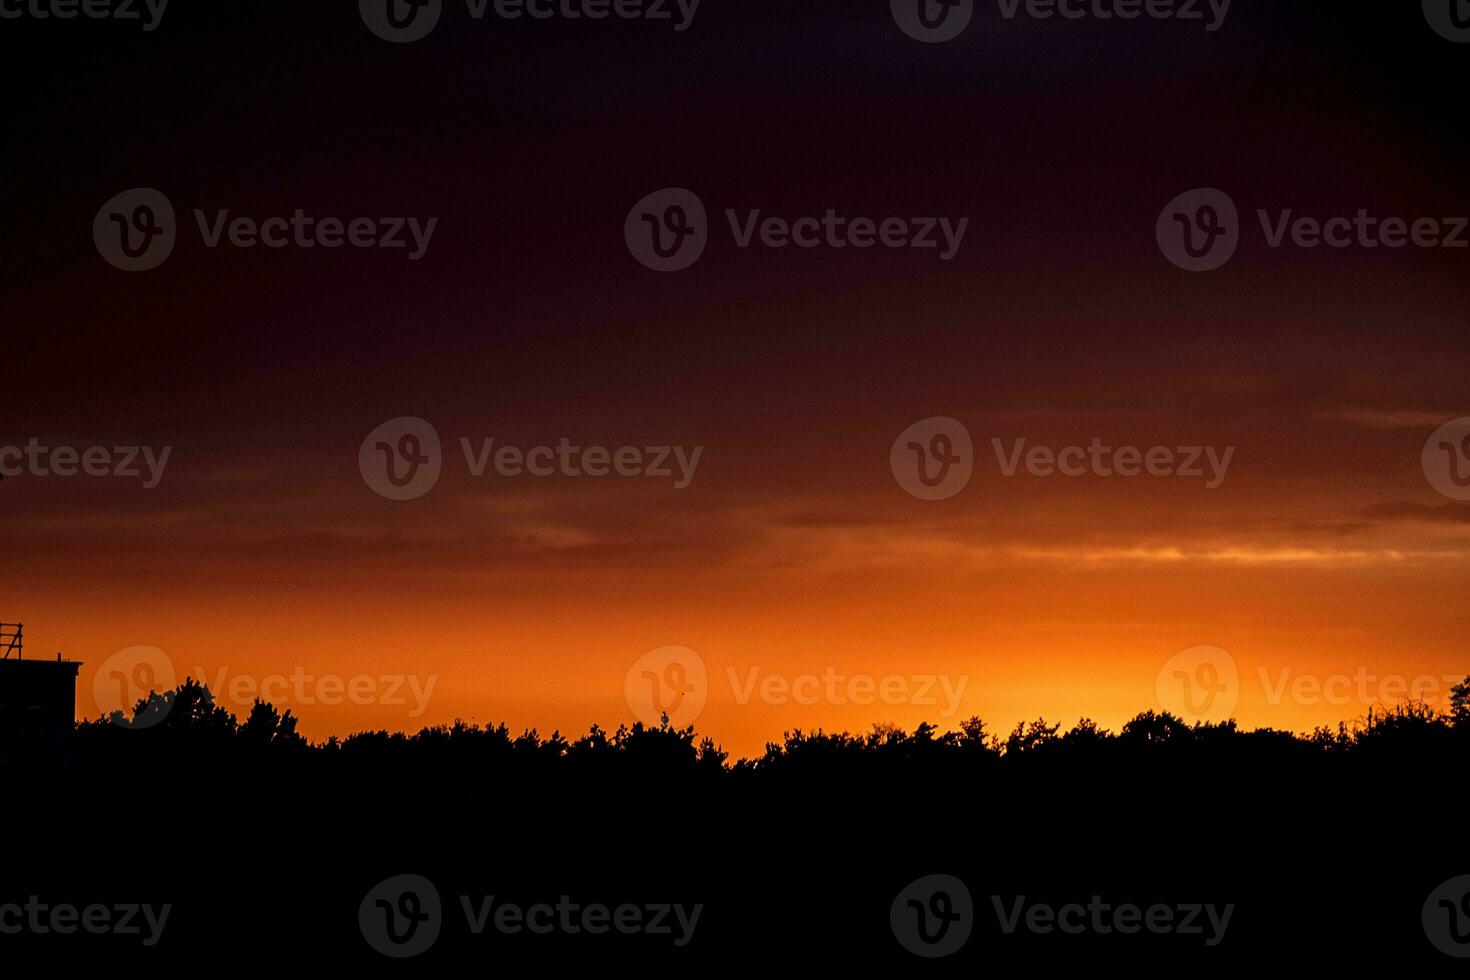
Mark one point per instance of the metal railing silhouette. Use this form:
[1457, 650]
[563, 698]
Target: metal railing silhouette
[11, 640]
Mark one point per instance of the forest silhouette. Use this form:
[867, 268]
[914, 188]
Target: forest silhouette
[184, 728]
[247, 824]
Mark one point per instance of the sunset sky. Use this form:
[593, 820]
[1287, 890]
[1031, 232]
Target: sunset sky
[1325, 550]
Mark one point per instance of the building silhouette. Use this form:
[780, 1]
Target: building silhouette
[38, 698]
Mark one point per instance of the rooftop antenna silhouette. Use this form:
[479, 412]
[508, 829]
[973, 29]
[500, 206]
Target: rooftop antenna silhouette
[11, 640]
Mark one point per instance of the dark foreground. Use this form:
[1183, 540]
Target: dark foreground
[1193, 849]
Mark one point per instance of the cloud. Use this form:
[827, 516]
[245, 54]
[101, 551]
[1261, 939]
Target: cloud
[1403, 510]
[1245, 555]
[1368, 418]
[813, 519]
[1336, 529]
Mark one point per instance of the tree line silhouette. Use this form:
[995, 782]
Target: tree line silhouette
[813, 836]
[184, 730]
